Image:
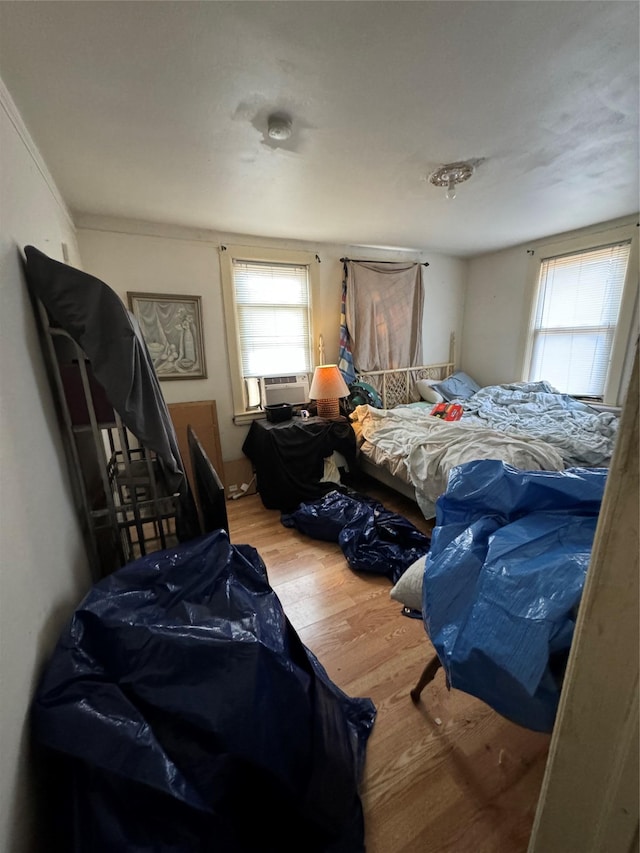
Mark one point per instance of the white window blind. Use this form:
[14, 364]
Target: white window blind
[577, 311]
[272, 307]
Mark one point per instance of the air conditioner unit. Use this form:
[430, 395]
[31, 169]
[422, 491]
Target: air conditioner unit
[284, 389]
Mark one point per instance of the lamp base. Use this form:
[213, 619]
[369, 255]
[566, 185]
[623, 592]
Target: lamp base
[328, 408]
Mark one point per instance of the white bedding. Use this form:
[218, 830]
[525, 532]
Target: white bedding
[428, 448]
[583, 436]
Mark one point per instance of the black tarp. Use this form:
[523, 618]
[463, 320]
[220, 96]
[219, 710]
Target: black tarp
[96, 318]
[372, 538]
[184, 714]
[289, 458]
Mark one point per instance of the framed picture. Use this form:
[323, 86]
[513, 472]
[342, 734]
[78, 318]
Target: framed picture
[172, 329]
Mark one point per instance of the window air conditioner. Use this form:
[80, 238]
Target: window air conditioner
[284, 389]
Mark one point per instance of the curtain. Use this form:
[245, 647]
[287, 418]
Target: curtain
[345, 358]
[384, 305]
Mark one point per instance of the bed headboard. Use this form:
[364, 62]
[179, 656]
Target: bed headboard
[397, 386]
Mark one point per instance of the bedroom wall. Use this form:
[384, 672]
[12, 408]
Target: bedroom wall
[494, 308]
[496, 313]
[43, 571]
[134, 256]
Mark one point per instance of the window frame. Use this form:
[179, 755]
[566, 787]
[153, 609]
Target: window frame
[228, 255]
[593, 239]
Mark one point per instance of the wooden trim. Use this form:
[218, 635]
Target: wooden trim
[589, 797]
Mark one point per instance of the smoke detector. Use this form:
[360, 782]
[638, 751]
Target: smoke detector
[279, 127]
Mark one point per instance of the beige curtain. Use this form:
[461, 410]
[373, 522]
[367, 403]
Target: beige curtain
[384, 314]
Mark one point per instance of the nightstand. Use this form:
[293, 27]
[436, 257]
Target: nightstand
[289, 457]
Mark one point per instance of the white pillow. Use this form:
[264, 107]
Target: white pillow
[427, 392]
[408, 589]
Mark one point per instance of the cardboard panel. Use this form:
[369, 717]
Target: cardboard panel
[203, 417]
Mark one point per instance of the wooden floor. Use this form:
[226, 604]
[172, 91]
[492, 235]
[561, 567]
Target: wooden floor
[448, 775]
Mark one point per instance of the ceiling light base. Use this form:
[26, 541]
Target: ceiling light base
[451, 174]
[279, 127]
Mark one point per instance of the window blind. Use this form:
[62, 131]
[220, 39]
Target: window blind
[577, 311]
[272, 306]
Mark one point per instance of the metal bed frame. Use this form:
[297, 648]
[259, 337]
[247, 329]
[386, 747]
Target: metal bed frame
[124, 507]
[396, 386]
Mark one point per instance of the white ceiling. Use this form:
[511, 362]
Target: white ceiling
[157, 111]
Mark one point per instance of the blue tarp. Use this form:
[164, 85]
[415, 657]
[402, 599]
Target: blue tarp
[373, 539]
[504, 578]
[185, 715]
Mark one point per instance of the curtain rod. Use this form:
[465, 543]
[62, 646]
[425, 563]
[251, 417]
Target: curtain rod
[360, 261]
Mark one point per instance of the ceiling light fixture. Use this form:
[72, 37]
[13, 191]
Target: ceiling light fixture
[450, 175]
[279, 127]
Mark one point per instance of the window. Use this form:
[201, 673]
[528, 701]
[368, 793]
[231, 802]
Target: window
[272, 307]
[579, 335]
[267, 297]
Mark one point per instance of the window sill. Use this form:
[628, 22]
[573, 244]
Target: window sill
[599, 406]
[241, 418]
[602, 407]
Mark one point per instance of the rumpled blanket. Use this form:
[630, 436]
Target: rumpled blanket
[430, 448]
[583, 436]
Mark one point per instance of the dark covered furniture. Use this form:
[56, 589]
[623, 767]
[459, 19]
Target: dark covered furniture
[182, 714]
[503, 581]
[289, 458]
[94, 316]
[129, 485]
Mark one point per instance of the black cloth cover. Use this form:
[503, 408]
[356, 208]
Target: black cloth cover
[96, 318]
[372, 538]
[208, 486]
[289, 458]
[185, 715]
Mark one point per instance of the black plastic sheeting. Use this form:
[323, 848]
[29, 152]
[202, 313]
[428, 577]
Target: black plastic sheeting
[503, 581]
[289, 458]
[185, 714]
[96, 318]
[372, 538]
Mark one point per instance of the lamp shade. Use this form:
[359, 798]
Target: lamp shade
[326, 388]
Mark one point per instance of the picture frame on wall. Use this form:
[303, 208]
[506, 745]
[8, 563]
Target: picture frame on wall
[171, 326]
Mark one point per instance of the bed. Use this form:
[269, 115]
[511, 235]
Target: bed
[528, 425]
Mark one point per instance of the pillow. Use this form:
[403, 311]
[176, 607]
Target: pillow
[420, 405]
[408, 589]
[458, 386]
[425, 388]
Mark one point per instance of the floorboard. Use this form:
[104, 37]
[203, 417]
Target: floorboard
[447, 775]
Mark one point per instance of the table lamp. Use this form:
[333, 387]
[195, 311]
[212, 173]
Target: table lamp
[326, 389]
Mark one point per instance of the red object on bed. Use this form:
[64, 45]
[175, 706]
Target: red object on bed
[447, 411]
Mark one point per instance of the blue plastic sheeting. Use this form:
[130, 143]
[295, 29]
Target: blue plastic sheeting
[503, 581]
[372, 538]
[186, 715]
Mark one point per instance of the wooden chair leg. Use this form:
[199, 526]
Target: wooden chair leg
[428, 674]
